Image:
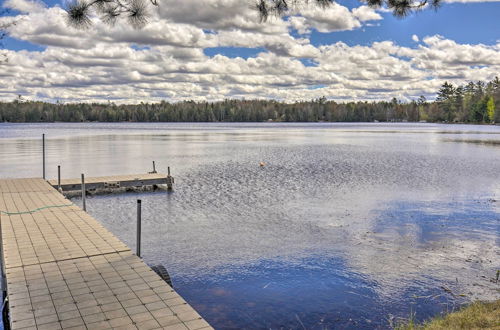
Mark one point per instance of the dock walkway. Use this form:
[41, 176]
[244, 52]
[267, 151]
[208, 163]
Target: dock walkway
[121, 181]
[62, 269]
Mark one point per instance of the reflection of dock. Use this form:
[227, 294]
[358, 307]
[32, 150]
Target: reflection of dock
[62, 268]
[115, 182]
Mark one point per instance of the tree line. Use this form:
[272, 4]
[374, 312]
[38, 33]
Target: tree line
[474, 102]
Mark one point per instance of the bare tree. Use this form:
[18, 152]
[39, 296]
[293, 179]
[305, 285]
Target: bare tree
[137, 11]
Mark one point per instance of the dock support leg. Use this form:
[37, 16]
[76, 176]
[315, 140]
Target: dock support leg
[154, 167]
[59, 178]
[5, 311]
[138, 242]
[83, 193]
[5, 302]
[170, 180]
[43, 155]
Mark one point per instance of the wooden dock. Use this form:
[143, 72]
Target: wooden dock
[62, 269]
[114, 182]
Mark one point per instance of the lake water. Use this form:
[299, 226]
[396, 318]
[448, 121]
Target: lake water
[348, 226]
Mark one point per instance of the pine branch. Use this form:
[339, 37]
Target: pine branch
[135, 11]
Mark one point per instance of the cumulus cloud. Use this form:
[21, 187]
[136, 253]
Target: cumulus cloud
[441, 51]
[218, 15]
[336, 18]
[415, 38]
[25, 6]
[300, 24]
[166, 59]
[365, 13]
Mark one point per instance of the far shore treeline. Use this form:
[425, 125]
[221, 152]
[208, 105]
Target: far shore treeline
[474, 102]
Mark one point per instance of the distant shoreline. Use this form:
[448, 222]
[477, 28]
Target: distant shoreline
[474, 103]
[252, 122]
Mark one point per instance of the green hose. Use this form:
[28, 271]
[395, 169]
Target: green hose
[35, 210]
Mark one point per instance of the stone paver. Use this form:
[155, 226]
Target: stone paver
[64, 270]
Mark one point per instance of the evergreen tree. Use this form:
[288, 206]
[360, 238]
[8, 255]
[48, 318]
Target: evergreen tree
[472, 102]
[490, 109]
[446, 100]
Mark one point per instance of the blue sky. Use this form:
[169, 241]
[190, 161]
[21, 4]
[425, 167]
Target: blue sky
[471, 23]
[465, 23]
[221, 50]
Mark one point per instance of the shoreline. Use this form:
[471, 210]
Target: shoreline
[475, 315]
[254, 122]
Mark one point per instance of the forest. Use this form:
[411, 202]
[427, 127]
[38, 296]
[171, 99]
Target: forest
[473, 102]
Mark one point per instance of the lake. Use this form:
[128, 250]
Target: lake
[347, 226]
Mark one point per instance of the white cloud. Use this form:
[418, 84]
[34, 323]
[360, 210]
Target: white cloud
[101, 62]
[25, 6]
[218, 15]
[415, 38]
[336, 18]
[365, 13]
[300, 24]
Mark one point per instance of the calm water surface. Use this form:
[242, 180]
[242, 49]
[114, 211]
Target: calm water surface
[348, 226]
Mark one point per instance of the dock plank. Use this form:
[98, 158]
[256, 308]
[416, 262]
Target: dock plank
[63, 269]
[134, 180]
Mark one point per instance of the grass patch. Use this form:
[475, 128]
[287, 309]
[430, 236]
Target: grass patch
[478, 315]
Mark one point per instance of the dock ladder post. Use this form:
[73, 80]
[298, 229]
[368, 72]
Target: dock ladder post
[170, 179]
[43, 155]
[84, 193]
[138, 238]
[59, 178]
